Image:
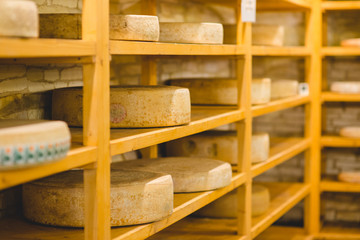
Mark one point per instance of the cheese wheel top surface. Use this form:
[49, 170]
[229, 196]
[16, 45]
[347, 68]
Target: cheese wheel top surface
[350, 177]
[351, 131]
[346, 87]
[352, 42]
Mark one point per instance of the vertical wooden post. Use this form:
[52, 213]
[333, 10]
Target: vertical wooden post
[96, 105]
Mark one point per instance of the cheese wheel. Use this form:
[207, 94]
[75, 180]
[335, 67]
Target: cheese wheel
[18, 18]
[260, 90]
[284, 88]
[130, 106]
[26, 143]
[352, 132]
[222, 145]
[226, 206]
[346, 87]
[353, 42]
[188, 174]
[268, 35]
[350, 177]
[136, 197]
[176, 32]
[210, 91]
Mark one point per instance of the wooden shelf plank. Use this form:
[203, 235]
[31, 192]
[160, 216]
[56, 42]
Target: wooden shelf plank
[280, 51]
[278, 105]
[36, 48]
[339, 97]
[203, 118]
[337, 141]
[336, 186]
[158, 48]
[340, 51]
[338, 231]
[284, 196]
[78, 156]
[284, 233]
[281, 151]
[340, 5]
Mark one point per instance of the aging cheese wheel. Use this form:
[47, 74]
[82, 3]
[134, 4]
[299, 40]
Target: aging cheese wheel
[130, 106]
[18, 18]
[352, 132]
[210, 91]
[30, 142]
[350, 177]
[260, 90]
[226, 206]
[220, 145]
[188, 174]
[346, 87]
[207, 33]
[353, 42]
[268, 35]
[284, 88]
[136, 197]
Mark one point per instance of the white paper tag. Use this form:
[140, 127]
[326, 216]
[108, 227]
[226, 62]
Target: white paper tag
[248, 10]
[304, 89]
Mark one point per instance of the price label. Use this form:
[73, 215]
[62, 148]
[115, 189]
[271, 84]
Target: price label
[248, 10]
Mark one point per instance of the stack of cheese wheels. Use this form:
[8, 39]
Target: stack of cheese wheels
[122, 27]
[260, 90]
[353, 42]
[176, 32]
[346, 87]
[188, 174]
[351, 132]
[268, 35]
[31, 142]
[130, 106]
[284, 88]
[226, 206]
[219, 145]
[18, 18]
[350, 177]
[136, 197]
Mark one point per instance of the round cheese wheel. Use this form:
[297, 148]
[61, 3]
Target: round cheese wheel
[284, 88]
[210, 91]
[353, 42]
[26, 143]
[134, 27]
[222, 145]
[130, 106]
[352, 132]
[346, 87]
[226, 206]
[350, 177]
[268, 35]
[18, 18]
[179, 32]
[260, 90]
[136, 197]
[189, 174]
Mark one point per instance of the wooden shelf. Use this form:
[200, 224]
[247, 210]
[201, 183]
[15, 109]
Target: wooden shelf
[284, 196]
[158, 48]
[340, 5]
[278, 105]
[340, 51]
[78, 156]
[37, 48]
[277, 5]
[283, 233]
[339, 97]
[337, 141]
[336, 186]
[280, 151]
[339, 231]
[280, 51]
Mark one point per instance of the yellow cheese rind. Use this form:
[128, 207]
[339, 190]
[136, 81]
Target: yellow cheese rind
[350, 177]
[284, 88]
[226, 206]
[346, 87]
[188, 174]
[206, 33]
[136, 197]
[130, 107]
[268, 35]
[353, 42]
[210, 91]
[351, 132]
[18, 18]
[222, 145]
[260, 90]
